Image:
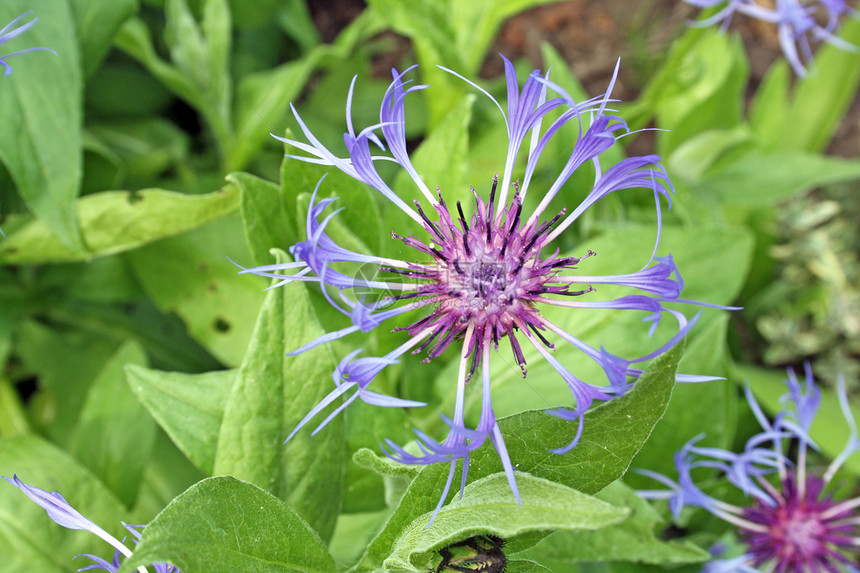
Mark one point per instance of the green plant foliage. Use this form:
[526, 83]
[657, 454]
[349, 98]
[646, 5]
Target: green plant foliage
[116, 221]
[149, 380]
[632, 540]
[237, 526]
[269, 397]
[40, 135]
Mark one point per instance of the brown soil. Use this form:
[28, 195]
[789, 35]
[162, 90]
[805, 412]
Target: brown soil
[592, 34]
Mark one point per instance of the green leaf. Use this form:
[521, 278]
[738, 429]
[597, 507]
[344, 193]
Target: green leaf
[452, 33]
[40, 103]
[487, 507]
[200, 54]
[117, 221]
[271, 394]
[189, 407]
[829, 429]
[613, 434]
[693, 158]
[29, 540]
[261, 101]
[224, 525]
[821, 99]
[192, 276]
[96, 24]
[115, 434]
[524, 566]
[707, 407]
[141, 148]
[706, 91]
[631, 540]
[357, 227]
[769, 107]
[264, 216]
[66, 361]
[168, 474]
[765, 178]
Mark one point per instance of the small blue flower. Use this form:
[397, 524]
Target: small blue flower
[481, 278]
[792, 524]
[795, 20]
[8, 32]
[64, 514]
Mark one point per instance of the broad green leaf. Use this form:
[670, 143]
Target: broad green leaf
[823, 96]
[224, 525]
[189, 407]
[7, 330]
[294, 17]
[765, 178]
[262, 100]
[168, 474]
[199, 69]
[116, 221]
[162, 335]
[524, 566]
[452, 33]
[192, 276]
[134, 39]
[370, 488]
[66, 362]
[40, 103]
[633, 539]
[430, 27]
[96, 23]
[707, 407]
[693, 158]
[488, 508]
[142, 148]
[356, 227]
[272, 393]
[770, 105]
[115, 434]
[476, 23]
[264, 216]
[352, 534]
[829, 430]
[613, 434]
[29, 540]
[705, 93]
[13, 417]
[384, 466]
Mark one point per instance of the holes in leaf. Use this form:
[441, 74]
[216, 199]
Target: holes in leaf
[221, 325]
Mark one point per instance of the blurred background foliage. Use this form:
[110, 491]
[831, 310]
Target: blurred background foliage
[139, 160]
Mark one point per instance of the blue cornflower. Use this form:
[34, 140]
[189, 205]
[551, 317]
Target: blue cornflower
[796, 23]
[9, 32]
[480, 278]
[64, 514]
[792, 524]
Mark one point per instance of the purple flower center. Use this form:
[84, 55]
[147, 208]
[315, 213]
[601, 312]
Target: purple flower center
[486, 273]
[800, 532]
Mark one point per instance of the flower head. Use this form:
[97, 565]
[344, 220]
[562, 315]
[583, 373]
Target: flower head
[792, 523]
[796, 21]
[64, 514]
[478, 277]
[10, 31]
